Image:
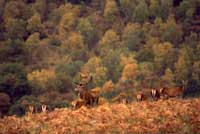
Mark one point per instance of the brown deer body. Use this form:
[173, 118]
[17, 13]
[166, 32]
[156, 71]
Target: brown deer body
[172, 92]
[87, 96]
[143, 95]
[77, 104]
[121, 98]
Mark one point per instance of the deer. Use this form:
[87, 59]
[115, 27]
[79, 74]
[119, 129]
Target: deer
[139, 96]
[77, 103]
[121, 98]
[174, 91]
[90, 98]
[144, 95]
[155, 94]
[44, 108]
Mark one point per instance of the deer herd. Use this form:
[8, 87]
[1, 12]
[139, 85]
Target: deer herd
[90, 98]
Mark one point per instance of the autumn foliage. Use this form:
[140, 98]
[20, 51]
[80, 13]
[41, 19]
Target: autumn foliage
[169, 116]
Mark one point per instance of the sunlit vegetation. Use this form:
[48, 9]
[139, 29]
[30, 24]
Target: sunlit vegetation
[126, 46]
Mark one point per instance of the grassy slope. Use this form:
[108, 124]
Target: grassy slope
[169, 116]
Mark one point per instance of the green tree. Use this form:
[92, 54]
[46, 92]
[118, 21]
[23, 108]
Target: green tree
[132, 36]
[186, 9]
[167, 80]
[111, 62]
[141, 12]
[183, 65]
[196, 71]
[110, 40]
[15, 28]
[87, 30]
[164, 57]
[146, 77]
[4, 103]
[95, 67]
[56, 15]
[171, 31]
[127, 7]
[160, 8]
[13, 80]
[13, 51]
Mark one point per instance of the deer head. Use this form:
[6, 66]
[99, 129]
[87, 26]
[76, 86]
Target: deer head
[31, 108]
[44, 108]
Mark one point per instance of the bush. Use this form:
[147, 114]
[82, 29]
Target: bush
[13, 80]
[26, 101]
[4, 103]
[17, 109]
[58, 104]
[109, 95]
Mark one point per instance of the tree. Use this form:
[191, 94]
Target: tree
[160, 8]
[34, 24]
[74, 42]
[129, 71]
[141, 12]
[110, 10]
[13, 80]
[154, 8]
[111, 62]
[4, 103]
[196, 71]
[16, 10]
[110, 40]
[42, 81]
[146, 77]
[183, 65]
[56, 15]
[164, 57]
[171, 31]
[128, 77]
[127, 7]
[145, 54]
[40, 7]
[108, 86]
[33, 40]
[66, 24]
[186, 9]
[15, 28]
[87, 30]
[95, 67]
[167, 80]
[132, 36]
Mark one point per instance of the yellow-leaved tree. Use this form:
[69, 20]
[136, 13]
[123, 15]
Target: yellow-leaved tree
[108, 86]
[128, 77]
[42, 81]
[110, 10]
[67, 22]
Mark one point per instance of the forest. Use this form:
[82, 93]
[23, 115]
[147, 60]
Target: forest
[125, 45]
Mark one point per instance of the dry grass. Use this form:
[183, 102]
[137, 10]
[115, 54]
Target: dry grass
[169, 116]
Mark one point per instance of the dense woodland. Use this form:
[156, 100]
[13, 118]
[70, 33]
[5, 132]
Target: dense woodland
[125, 45]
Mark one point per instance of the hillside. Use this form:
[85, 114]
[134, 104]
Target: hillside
[168, 116]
